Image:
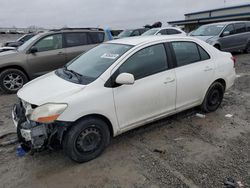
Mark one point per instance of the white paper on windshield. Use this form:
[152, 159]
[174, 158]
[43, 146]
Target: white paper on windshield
[110, 56]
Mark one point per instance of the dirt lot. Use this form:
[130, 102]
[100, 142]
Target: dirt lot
[179, 151]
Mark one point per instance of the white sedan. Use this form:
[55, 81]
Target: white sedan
[117, 86]
[165, 31]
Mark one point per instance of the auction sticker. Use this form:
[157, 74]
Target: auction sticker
[110, 56]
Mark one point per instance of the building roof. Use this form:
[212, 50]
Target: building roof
[218, 9]
[218, 18]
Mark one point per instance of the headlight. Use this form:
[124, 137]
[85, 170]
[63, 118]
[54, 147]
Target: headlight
[47, 113]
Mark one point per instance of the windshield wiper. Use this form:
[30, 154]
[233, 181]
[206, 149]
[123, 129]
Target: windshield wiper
[77, 75]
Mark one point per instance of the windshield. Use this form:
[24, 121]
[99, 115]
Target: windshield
[208, 30]
[97, 60]
[150, 32]
[27, 43]
[125, 33]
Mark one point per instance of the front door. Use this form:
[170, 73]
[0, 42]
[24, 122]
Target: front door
[152, 94]
[49, 56]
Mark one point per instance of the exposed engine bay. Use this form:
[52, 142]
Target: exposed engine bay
[35, 136]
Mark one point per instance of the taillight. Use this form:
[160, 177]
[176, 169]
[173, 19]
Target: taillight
[234, 60]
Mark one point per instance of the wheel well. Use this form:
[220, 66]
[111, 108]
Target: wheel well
[15, 67]
[222, 81]
[102, 118]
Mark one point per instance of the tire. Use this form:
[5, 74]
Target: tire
[213, 98]
[11, 80]
[86, 140]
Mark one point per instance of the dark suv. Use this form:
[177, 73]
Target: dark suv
[43, 53]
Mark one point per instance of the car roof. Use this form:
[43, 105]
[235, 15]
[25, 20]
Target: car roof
[146, 39]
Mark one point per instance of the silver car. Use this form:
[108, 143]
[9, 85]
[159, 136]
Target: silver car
[226, 36]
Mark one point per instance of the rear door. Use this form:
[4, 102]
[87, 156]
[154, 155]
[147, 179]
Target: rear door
[50, 55]
[241, 34]
[194, 72]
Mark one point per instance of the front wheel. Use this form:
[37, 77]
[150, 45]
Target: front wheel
[213, 97]
[11, 80]
[86, 140]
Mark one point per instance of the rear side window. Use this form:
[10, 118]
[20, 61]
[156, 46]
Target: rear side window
[145, 62]
[203, 54]
[76, 39]
[188, 52]
[172, 32]
[240, 27]
[163, 32]
[96, 37]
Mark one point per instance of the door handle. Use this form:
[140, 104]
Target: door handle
[169, 80]
[60, 53]
[208, 69]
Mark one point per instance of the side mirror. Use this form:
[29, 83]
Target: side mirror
[158, 34]
[125, 79]
[225, 33]
[33, 49]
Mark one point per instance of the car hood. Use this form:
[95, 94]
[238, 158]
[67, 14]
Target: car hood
[204, 38]
[4, 49]
[9, 53]
[48, 88]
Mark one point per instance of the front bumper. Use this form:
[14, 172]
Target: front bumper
[36, 136]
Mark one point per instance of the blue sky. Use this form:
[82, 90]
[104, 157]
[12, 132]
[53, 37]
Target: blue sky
[109, 13]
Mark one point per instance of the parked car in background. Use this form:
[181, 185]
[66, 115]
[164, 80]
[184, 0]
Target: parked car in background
[118, 86]
[131, 33]
[165, 31]
[226, 36]
[19, 41]
[43, 53]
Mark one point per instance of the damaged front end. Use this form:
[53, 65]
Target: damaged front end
[35, 136]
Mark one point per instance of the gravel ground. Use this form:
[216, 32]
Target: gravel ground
[180, 151]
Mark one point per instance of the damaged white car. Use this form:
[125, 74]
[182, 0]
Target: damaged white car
[117, 86]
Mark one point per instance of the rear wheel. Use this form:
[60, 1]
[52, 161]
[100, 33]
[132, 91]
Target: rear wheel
[213, 97]
[86, 140]
[11, 80]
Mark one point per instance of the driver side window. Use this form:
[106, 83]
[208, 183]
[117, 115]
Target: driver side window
[51, 42]
[230, 29]
[146, 62]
